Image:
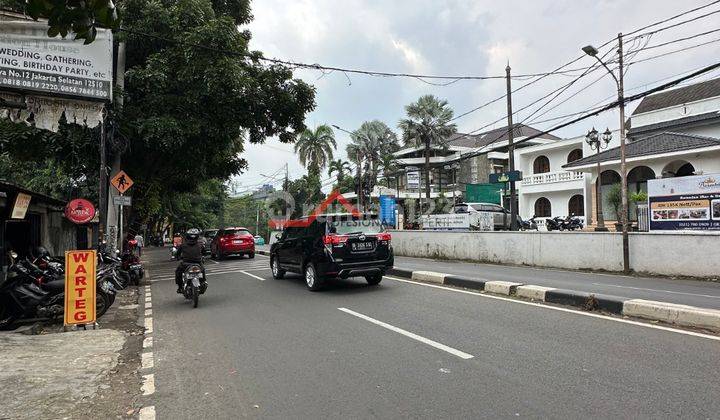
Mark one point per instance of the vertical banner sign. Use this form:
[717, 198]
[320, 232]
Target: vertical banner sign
[22, 202]
[413, 180]
[387, 211]
[685, 203]
[80, 287]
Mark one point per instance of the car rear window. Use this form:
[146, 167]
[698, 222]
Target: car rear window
[461, 208]
[236, 232]
[348, 226]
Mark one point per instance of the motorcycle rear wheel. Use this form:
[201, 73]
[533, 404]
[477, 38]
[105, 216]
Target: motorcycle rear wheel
[195, 296]
[102, 304]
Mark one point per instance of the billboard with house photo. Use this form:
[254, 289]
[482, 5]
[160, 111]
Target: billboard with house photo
[685, 203]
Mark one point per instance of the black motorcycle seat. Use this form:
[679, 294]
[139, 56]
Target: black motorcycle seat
[54, 286]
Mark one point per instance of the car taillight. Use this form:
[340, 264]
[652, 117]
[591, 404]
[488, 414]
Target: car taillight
[384, 237]
[334, 239]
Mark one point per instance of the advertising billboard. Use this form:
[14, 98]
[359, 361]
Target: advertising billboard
[387, 211]
[31, 61]
[685, 203]
[80, 287]
[413, 180]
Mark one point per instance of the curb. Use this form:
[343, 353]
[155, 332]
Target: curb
[683, 315]
[262, 252]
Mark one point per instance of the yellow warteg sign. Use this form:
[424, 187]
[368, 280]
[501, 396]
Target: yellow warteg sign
[80, 287]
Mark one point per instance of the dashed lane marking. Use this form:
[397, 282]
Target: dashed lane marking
[147, 342]
[148, 386]
[148, 325]
[429, 342]
[253, 276]
[147, 413]
[147, 361]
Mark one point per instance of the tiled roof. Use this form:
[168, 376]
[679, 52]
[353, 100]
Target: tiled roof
[695, 92]
[655, 144]
[673, 124]
[496, 135]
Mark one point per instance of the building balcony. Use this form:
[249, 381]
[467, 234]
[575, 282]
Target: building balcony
[552, 177]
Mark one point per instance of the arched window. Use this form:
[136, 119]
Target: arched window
[541, 165]
[686, 170]
[575, 155]
[609, 177]
[542, 207]
[576, 205]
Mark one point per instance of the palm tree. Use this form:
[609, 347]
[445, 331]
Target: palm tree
[370, 142]
[427, 123]
[341, 167]
[388, 165]
[315, 148]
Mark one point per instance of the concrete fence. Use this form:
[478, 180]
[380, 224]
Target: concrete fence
[672, 254]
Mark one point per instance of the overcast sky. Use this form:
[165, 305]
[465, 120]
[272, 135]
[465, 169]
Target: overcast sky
[460, 37]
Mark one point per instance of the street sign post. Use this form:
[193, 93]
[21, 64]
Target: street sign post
[122, 200]
[80, 287]
[502, 177]
[122, 182]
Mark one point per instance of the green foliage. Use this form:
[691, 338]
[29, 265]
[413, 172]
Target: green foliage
[427, 122]
[82, 17]
[373, 141]
[342, 167]
[188, 110]
[200, 209]
[306, 192]
[63, 164]
[614, 198]
[315, 148]
[242, 211]
[639, 197]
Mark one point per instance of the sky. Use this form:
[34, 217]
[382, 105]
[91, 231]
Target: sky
[469, 38]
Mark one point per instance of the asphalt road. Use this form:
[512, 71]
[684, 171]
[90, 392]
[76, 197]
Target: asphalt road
[258, 347]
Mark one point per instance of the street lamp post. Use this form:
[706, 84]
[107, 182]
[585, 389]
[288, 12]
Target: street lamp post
[593, 52]
[596, 143]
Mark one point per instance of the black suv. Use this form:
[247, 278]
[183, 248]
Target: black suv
[333, 246]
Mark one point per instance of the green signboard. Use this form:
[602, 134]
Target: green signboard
[483, 193]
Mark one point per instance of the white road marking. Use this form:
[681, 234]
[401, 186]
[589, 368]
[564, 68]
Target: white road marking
[148, 312]
[557, 308]
[147, 299]
[148, 305]
[147, 413]
[148, 326]
[253, 275]
[414, 336]
[658, 290]
[148, 386]
[257, 269]
[147, 342]
[147, 361]
[211, 260]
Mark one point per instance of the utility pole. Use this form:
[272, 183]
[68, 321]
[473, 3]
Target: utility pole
[103, 184]
[511, 151]
[112, 211]
[623, 166]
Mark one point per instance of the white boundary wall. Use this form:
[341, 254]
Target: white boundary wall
[672, 254]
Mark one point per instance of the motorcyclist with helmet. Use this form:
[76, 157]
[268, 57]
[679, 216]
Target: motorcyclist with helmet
[189, 252]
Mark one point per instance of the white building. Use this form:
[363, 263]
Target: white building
[549, 190]
[674, 133]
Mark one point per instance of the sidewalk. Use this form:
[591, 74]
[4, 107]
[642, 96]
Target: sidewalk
[78, 374]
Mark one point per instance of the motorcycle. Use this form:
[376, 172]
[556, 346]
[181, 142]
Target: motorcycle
[556, 223]
[573, 222]
[22, 298]
[194, 283]
[174, 253]
[130, 263]
[529, 224]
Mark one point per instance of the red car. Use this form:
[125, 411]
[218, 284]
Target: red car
[232, 241]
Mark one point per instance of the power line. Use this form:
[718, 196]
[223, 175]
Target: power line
[674, 52]
[651, 47]
[609, 106]
[316, 66]
[672, 18]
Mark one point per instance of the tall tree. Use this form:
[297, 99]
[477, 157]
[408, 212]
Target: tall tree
[189, 110]
[427, 124]
[315, 148]
[370, 142]
[342, 167]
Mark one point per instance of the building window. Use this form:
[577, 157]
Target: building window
[576, 205]
[542, 207]
[541, 165]
[575, 155]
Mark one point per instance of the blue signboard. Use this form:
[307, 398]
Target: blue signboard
[387, 210]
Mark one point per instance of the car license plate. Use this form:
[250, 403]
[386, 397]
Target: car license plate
[362, 246]
[237, 241]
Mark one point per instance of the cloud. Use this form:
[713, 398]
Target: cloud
[411, 56]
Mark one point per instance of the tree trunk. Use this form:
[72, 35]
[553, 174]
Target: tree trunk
[427, 169]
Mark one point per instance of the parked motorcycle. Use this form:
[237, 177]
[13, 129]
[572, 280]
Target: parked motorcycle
[529, 224]
[573, 222]
[554, 224]
[194, 283]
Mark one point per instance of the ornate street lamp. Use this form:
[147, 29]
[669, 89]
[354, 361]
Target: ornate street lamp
[597, 143]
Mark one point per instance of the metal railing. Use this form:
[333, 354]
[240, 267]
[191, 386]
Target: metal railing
[551, 177]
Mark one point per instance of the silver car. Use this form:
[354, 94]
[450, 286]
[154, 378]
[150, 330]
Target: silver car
[501, 216]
